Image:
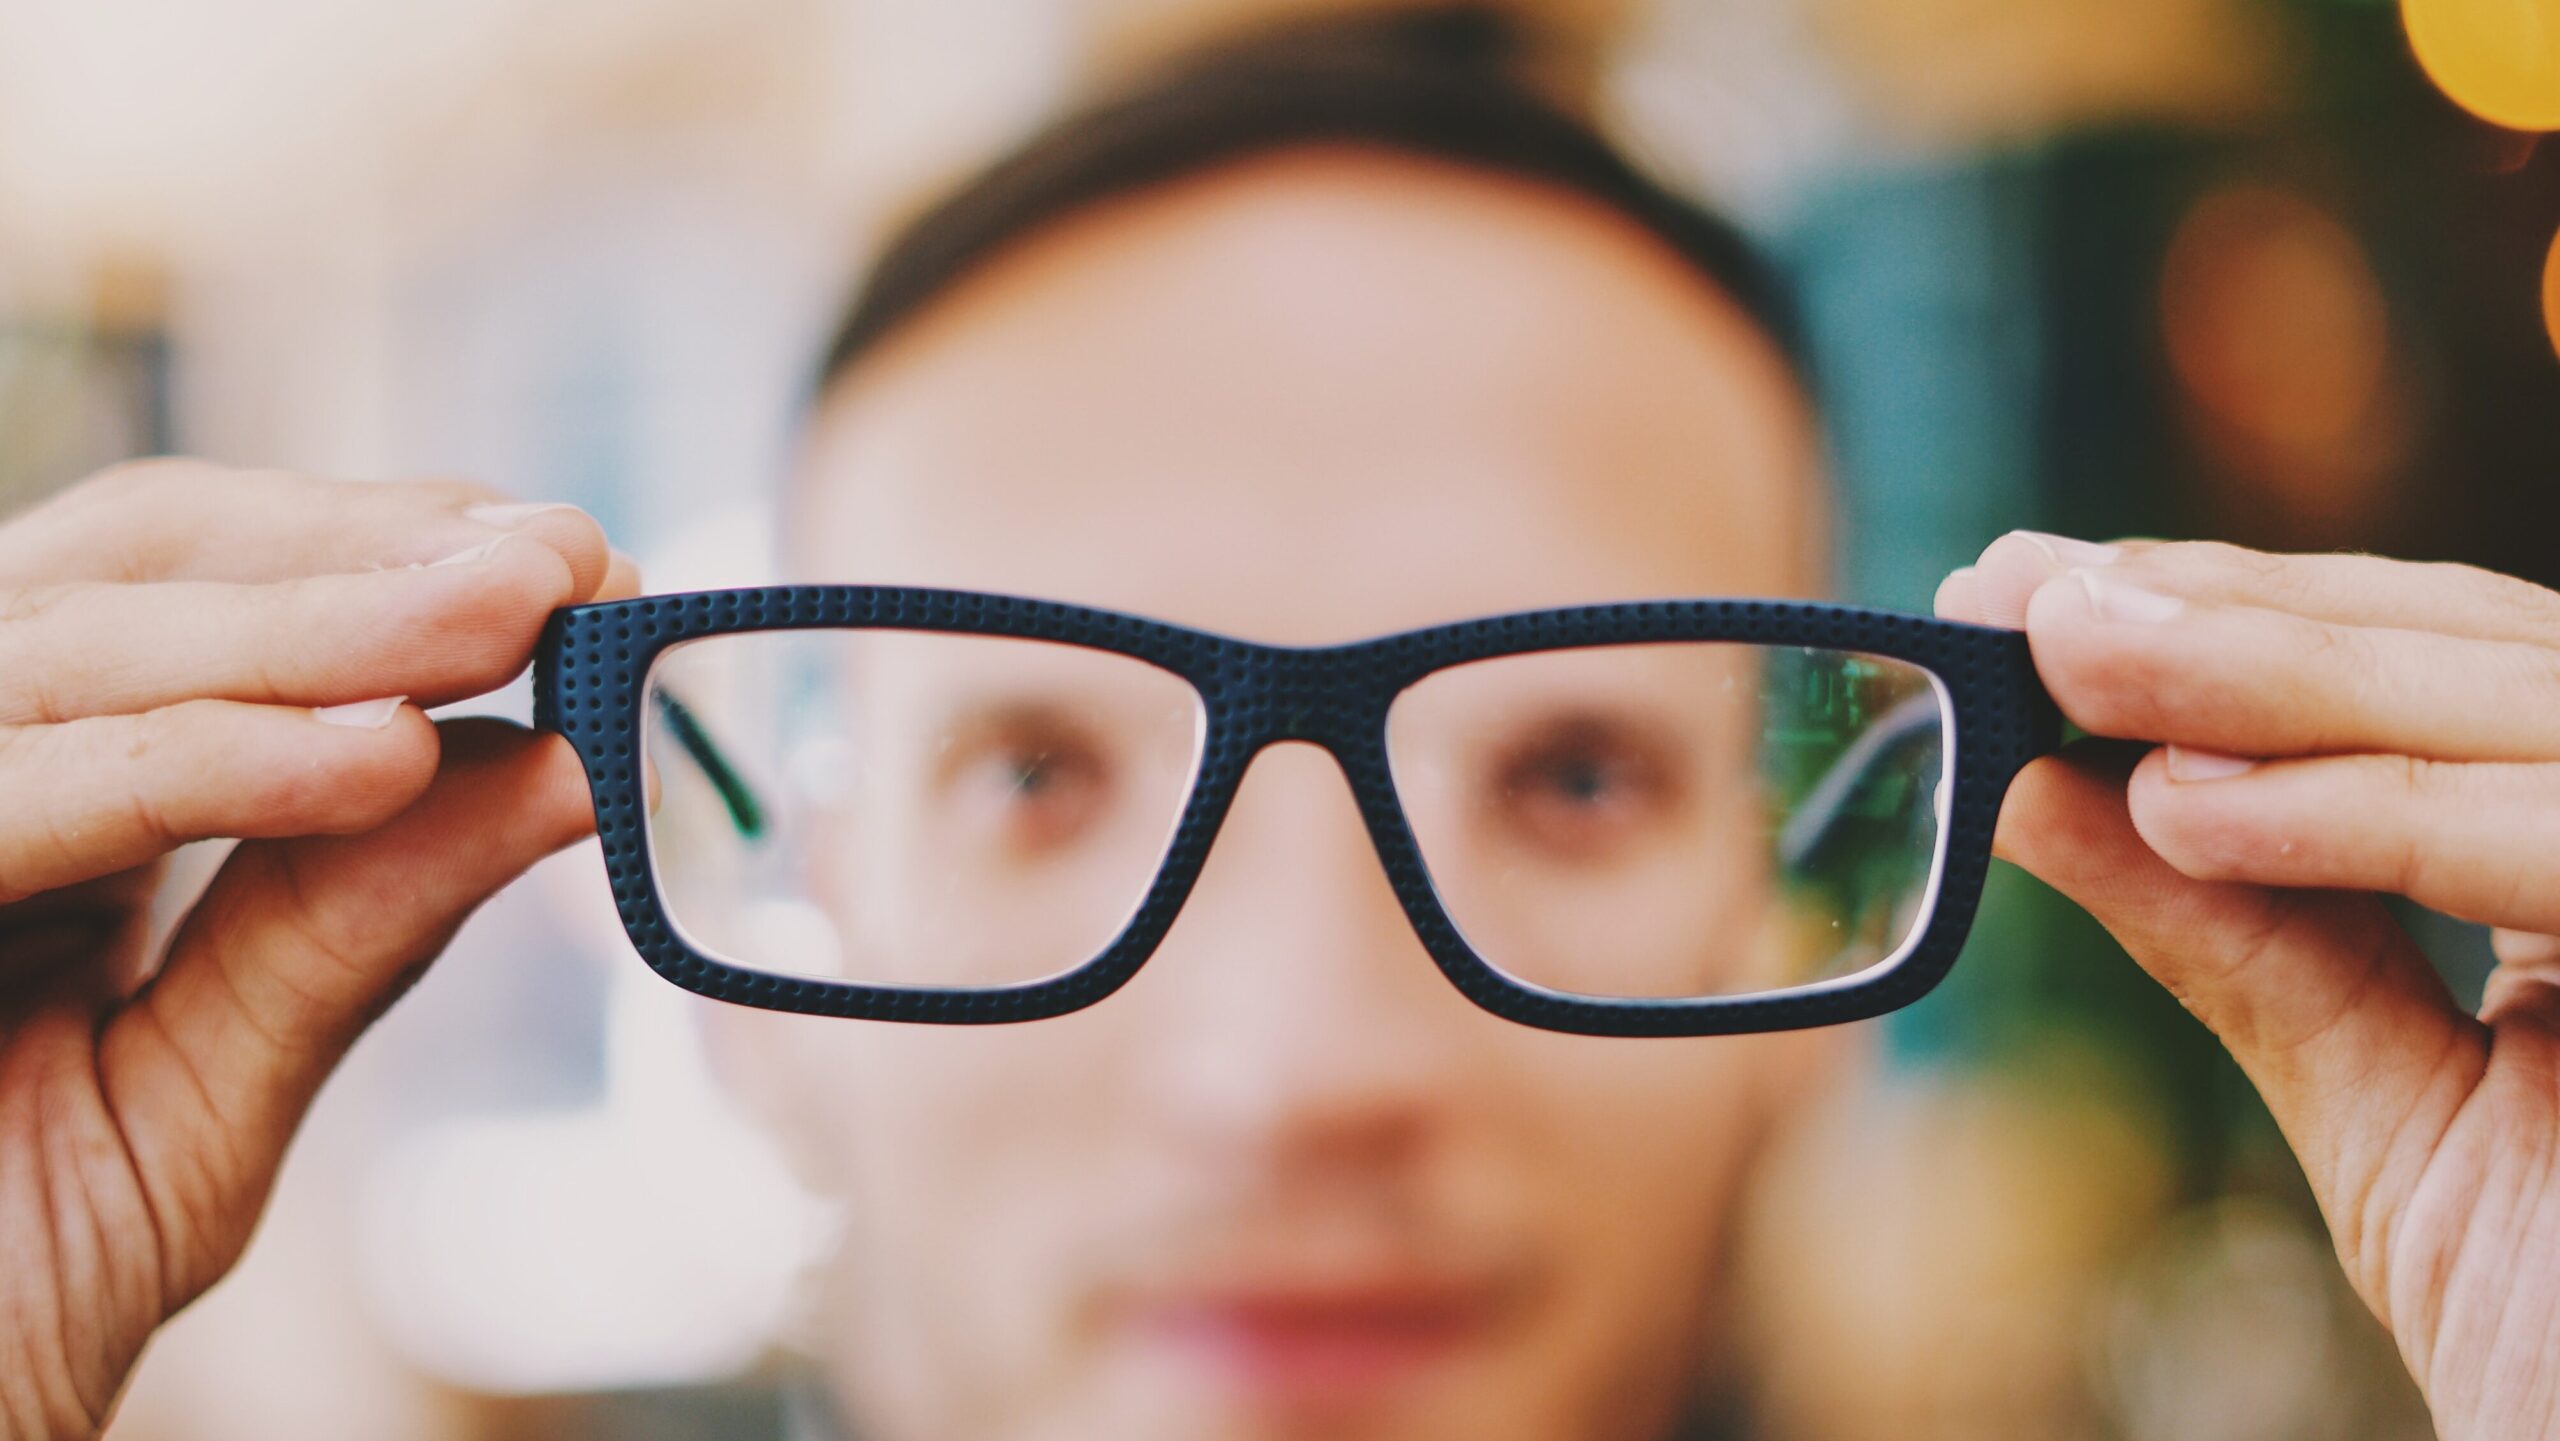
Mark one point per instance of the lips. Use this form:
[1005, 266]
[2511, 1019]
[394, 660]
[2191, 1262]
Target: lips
[1297, 1346]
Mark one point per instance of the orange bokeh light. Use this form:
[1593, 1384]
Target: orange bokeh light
[2551, 294]
[2498, 59]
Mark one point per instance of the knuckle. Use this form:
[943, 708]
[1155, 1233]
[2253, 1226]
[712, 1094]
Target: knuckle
[2411, 855]
[156, 482]
[150, 735]
[2343, 663]
[451, 492]
[41, 666]
[2220, 570]
[2521, 598]
[2538, 674]
[27, 605]
[164, 788]
[2432, 782]
[294, 1013]
[149, 475]
[2466, 575]
[2340, 650]
[2217, 555]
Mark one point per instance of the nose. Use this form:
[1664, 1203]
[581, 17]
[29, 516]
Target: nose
[1304, 1024]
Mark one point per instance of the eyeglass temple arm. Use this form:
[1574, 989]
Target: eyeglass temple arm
[746, 812]
[1823, 805]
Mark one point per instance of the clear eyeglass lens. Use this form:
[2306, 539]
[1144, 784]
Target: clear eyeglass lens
[906, 808]
[1678, 819]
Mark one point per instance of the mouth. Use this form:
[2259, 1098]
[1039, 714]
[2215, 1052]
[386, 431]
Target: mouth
[1345, 1343]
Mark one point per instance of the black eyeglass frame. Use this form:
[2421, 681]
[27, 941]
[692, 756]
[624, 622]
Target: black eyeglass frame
[591, 682]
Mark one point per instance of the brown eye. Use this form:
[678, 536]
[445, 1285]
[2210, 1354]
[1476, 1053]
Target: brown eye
[1026, 785]
[1581, 789]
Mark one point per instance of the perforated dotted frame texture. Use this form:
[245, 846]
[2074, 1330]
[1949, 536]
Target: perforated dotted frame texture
[590, 683]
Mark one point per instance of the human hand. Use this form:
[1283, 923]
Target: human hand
[189, 652]
[2323, 728]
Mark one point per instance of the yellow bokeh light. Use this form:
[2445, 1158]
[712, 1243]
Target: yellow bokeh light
[2551, 293]
[2498, 59]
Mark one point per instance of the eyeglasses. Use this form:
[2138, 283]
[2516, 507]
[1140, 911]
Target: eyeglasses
[1679, 817]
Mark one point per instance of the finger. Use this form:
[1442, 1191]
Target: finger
[2123, 660]
[178, 519]
[1960, 598]
[2526, 978]
[2474, 841]
[621, 579]
[437, 634]
[93, 797]
[298, 944]
[175, 517]
[569, 533]
[2350, 590]
[2513, 992]
[1995, 588]
[2524, 948]
[2326, 1003]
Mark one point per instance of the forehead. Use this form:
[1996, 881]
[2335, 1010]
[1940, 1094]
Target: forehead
[1315, 396]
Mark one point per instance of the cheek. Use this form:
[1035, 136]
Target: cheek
[1665, 1107]
[974, 1162]
[1638, 1153]
[1650, 1144]
[970, 1180]
[932, 1127]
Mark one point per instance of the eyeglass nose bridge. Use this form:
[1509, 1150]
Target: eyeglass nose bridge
[1322, 696]
[1333, 698]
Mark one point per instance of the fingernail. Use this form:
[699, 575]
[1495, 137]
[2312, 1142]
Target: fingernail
[475, 554]
[365, 715]
[2123, 600]
[2524, 950]
[2189, 764]
[2069, 554]
[513, 514]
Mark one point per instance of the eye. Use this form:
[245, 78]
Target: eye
[1029, 775]
[1025, 785]
[1581, 789]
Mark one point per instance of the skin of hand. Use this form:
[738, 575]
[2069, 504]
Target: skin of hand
[189, 652]
[2316, 731]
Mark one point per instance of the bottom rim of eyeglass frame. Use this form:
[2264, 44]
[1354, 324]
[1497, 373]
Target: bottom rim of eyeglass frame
[1886, 985]
[1858, 999]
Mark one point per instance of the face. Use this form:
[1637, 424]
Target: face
[1288, 1182]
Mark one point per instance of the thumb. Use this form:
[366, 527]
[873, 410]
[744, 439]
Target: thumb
[2323, 999]
[296, 947]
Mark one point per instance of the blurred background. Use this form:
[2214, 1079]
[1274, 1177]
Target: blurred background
[2263, 270]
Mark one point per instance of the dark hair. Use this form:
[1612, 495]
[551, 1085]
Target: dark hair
[1448, 82]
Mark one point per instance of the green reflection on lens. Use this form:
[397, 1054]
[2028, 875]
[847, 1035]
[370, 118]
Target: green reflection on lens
[745, 811]
[1852, 753]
